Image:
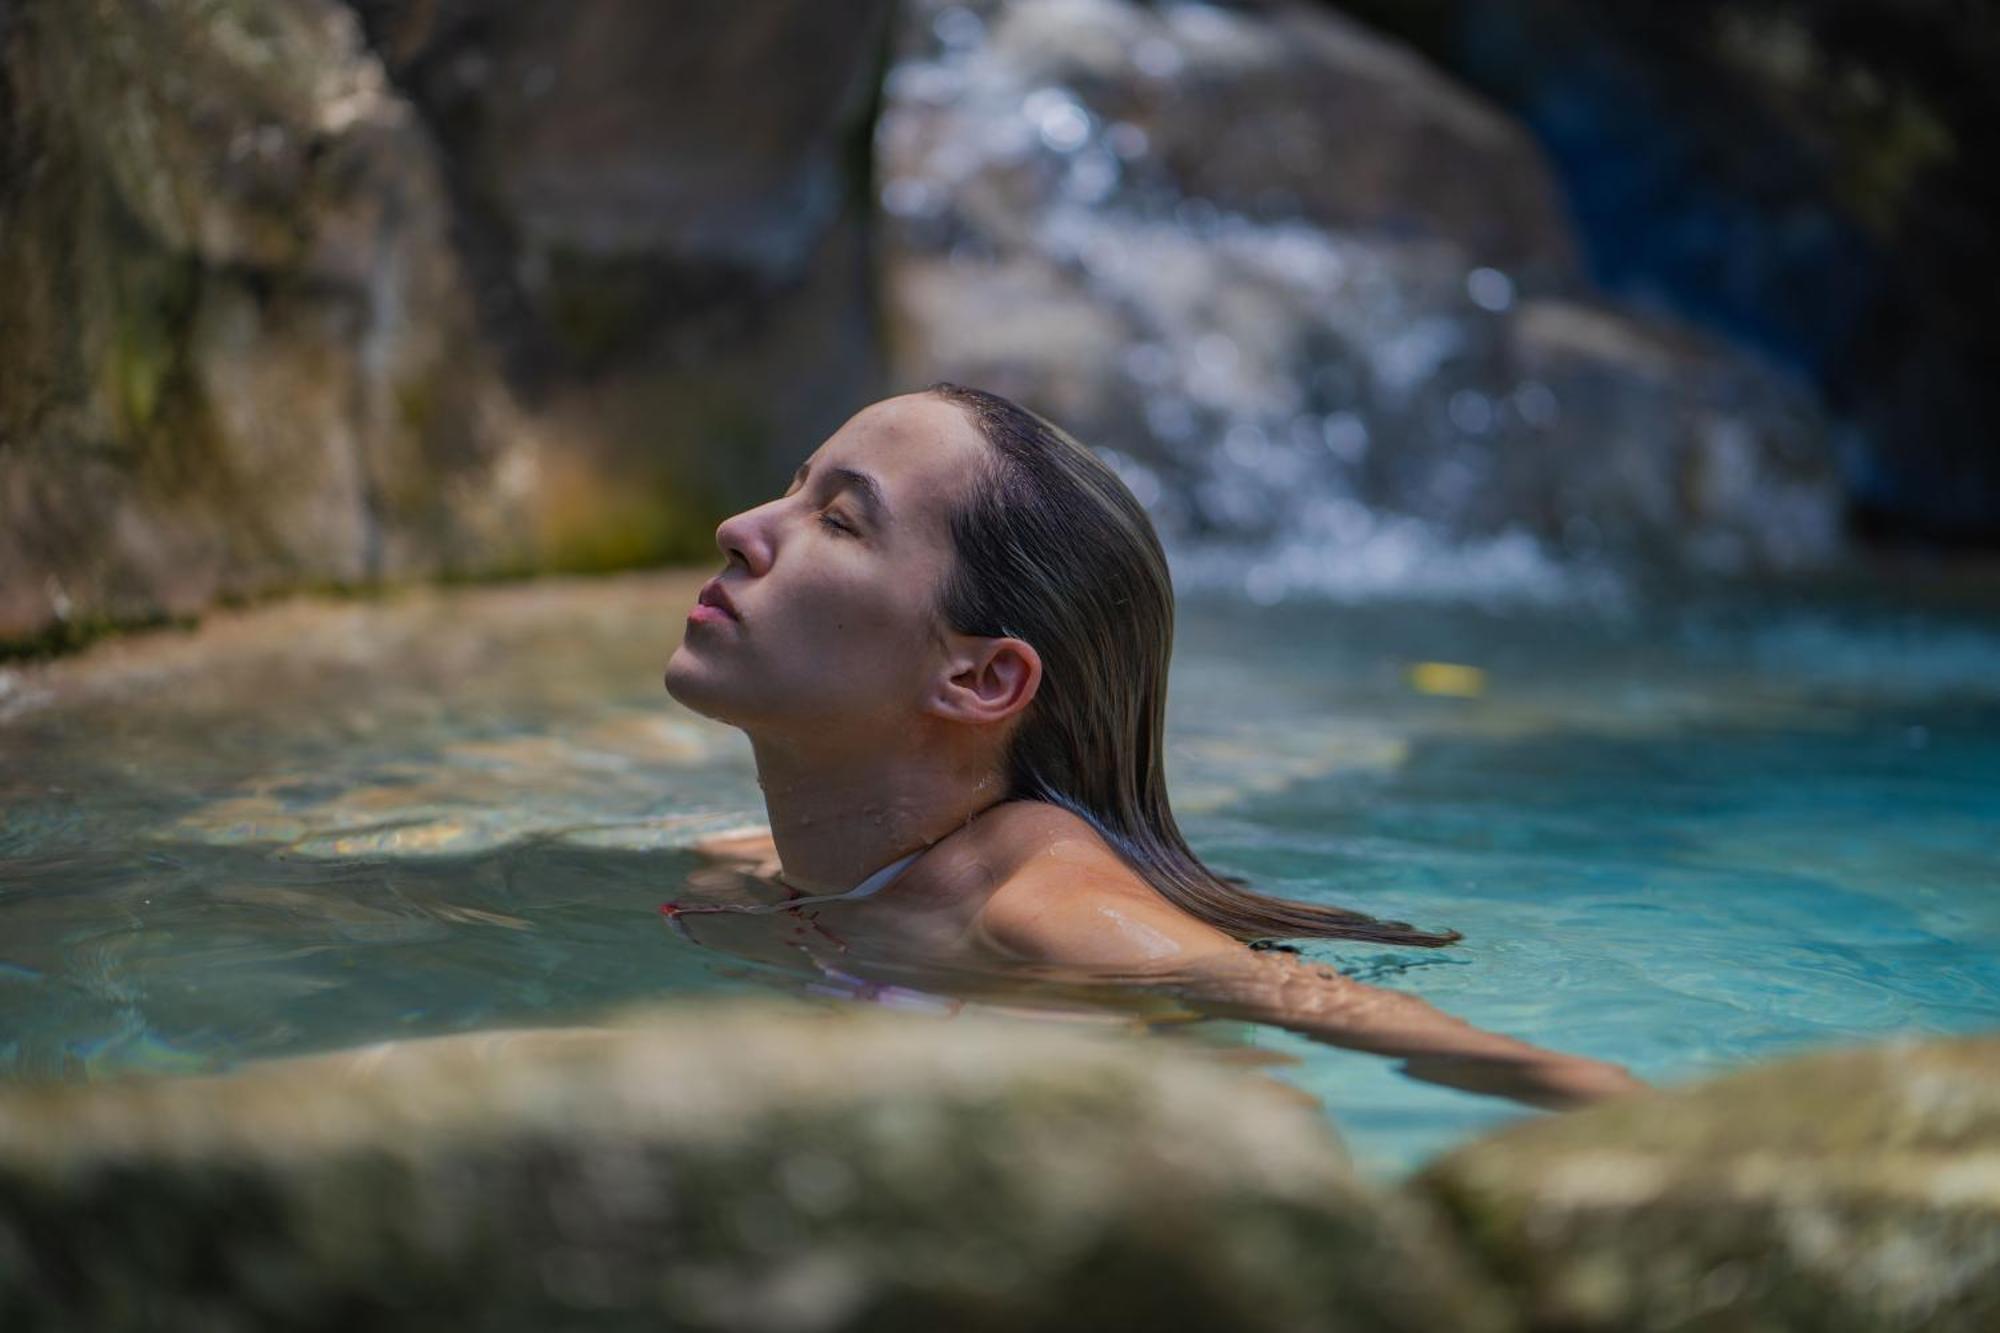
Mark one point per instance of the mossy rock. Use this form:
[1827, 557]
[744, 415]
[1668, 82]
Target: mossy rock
[242, 355]
[716, 1168]
[1842, 1191]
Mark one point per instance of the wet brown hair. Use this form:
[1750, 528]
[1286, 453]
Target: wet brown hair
[1053, 549]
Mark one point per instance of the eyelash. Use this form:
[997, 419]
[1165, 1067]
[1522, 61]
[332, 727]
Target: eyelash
[827, 519]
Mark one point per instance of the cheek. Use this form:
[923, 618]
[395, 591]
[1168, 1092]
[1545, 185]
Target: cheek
[841, 625]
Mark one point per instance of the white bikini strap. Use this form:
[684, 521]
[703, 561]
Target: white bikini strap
[873, 884]
[880, 879]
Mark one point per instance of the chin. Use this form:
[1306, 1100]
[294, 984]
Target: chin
[692, 688]
[680, 679]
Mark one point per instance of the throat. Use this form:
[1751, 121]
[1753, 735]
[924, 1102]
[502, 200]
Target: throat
[837, 810]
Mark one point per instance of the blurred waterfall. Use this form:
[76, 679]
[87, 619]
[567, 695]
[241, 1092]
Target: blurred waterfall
[1319, 306]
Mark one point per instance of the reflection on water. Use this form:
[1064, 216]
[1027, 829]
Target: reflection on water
[1676, 840]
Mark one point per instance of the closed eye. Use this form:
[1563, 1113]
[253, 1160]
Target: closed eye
[846, 480]
[827, 517]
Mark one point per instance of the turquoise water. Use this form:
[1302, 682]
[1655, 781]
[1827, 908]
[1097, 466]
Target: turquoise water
[1679, 838]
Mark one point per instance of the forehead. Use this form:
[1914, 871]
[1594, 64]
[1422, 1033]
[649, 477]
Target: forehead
[920, 448]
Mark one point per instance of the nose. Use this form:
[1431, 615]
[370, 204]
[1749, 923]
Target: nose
[745, 538]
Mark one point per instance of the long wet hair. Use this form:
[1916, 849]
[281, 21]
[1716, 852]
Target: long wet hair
[1053, 549]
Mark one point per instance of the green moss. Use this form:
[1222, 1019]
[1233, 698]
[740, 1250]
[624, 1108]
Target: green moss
[74, 635]
[417, 407]
[599, 309]
[137, 364]
[160, 415]
[647, 529]
[153, 300]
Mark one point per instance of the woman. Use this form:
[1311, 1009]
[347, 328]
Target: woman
[948, 644]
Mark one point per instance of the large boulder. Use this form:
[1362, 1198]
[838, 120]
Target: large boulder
[664, 208]
[1637, 436]
[1296, 282]
[1842, 1192]
[716, 1169]
[309, 293]
[239, 351]
[1277, 111]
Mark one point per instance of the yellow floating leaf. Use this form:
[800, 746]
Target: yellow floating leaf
[1448, 678]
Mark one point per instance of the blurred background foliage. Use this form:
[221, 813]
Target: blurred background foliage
[1429, 295]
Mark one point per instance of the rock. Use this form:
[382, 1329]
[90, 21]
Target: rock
[664, 211]
[240, 354]
[309, 293]
[1280, 112]
[1079, 164]
[1815, 175]
[1844, 1191]
[1634, 437]
[1302, 290]
[715, 1169]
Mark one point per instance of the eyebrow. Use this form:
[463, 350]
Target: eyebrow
[863, 485]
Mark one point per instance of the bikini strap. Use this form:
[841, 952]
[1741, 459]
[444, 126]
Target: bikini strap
[875, 883]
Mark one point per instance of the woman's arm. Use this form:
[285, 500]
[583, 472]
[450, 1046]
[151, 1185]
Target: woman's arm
[1316, 1001]
[1102, 926]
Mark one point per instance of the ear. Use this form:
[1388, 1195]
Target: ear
[986, 680]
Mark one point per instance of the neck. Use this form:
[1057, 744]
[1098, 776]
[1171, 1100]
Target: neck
[836, 820]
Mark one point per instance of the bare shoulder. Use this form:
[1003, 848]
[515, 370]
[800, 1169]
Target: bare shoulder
[1033, 846]
[1023, 813]
[1066, 896]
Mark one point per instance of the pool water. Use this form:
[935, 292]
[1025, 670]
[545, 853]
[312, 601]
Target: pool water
[1680, 836]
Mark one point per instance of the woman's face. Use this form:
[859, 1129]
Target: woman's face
[834, 584]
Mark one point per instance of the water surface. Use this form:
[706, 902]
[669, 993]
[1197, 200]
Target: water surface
[1679, 838]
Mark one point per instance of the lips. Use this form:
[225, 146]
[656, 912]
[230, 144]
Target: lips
[713, 595]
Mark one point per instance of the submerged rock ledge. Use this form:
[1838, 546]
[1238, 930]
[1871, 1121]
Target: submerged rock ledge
[758, 1167]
